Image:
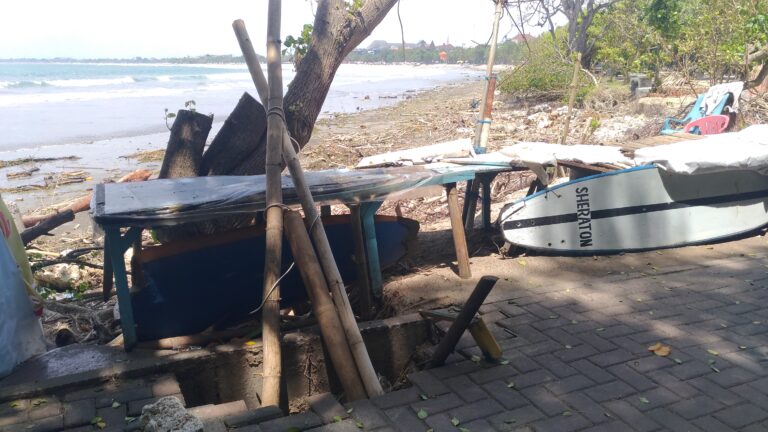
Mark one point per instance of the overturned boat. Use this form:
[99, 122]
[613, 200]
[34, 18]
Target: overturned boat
[679, 194]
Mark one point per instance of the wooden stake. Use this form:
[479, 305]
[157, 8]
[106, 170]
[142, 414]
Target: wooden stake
[274, 198]
[484, 127]
[571, 97]
[463, 321]
[363, 278]
[317, 233]
[322, 306]
[459, 237]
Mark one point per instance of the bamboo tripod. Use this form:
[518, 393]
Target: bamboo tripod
[315, 227]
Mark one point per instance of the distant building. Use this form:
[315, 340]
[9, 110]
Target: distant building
[378, 45]
[522, 38]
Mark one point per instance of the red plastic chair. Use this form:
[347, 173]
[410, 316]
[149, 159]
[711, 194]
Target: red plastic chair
[709, 125]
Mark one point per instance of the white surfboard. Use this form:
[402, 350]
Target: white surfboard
[638, 209]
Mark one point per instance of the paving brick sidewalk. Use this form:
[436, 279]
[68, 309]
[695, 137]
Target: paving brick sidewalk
[577, 360]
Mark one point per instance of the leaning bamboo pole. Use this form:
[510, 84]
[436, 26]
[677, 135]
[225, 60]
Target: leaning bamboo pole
[274, 233]
[571, 97]
[484, 127]
[322, 306]
[317, 231]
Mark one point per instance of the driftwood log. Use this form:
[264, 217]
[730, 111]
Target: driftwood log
[184, 153]
[183, 158]
[239, 147]
[46, 226]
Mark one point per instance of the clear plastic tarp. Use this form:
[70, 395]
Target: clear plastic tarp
[173, 201]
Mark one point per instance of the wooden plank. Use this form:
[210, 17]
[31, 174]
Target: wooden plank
[459, 237]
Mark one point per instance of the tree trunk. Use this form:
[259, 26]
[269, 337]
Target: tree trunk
[337, 31]
[185, 146]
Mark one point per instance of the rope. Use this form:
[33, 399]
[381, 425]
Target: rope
[271, 290]
[293, 263]
[278, 111]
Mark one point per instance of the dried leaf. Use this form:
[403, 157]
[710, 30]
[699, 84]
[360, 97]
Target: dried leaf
[655, 346]
[522, 262]
[250, 343]
[455, 421]
[713, 352]
[101, 425]
[663, 351]
[422, 414]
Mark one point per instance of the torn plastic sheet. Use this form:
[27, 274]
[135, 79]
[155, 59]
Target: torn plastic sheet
[173, 201]
[420, 155]
[743, 150]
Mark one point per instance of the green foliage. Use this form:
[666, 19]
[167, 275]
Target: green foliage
[507, 52]
[297, 47]
[628, 41]
[664, 17]
[715, 35]
[544, 72]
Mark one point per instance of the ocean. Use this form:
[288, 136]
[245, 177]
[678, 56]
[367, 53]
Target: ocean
[76, 104]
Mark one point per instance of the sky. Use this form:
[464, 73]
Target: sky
[173, 28]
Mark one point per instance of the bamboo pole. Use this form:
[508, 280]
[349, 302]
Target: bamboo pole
[274, 233]
[571, 97]
[322, 306]
[484, 127]
[317, 231]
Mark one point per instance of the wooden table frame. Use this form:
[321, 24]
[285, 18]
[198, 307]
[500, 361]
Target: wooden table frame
[121, 237]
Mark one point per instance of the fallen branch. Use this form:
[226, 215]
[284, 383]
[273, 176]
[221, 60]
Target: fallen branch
[45, 226]
[83, 203]
[37, 265]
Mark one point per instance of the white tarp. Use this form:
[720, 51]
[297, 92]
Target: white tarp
[537, 155]
[743, 150]
[420, 155]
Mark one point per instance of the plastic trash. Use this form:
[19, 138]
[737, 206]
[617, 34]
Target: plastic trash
[21, 334]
